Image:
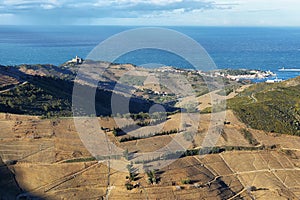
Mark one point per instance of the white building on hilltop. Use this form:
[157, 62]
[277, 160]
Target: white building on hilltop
[77, 60]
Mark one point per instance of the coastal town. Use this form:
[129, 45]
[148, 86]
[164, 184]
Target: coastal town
[232, 74]
[243, 74]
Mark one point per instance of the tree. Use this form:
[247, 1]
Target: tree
[131, 171]
[152, 177]
[126, 154]
[10, 104]
[129, 186]
[45, 107]
[115, 132]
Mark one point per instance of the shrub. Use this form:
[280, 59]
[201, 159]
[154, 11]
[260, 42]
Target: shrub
[249, 137]
[129, 186]
[126, 154]
[152, 177]
[132, 174]
[186, 181]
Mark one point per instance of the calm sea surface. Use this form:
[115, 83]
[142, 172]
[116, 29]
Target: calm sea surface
[251, 48]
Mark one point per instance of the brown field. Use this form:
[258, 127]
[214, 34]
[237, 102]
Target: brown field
[40, 147]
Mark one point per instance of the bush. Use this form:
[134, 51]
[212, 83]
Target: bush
[126, 154]
[249, 137]
[152, 177]
[186, 181]
[132, 175]
[129, 186]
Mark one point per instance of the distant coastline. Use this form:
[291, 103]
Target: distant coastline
[229, 47]
[237, 75]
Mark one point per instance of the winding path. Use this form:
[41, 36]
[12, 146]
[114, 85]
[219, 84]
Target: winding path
[13, 87]
[253, 97]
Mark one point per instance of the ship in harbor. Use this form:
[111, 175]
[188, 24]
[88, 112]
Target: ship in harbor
[289, 70]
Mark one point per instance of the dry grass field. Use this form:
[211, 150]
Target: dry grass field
[48, 160]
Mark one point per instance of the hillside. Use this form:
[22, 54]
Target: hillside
[270, 107]
[48, 92]
[47, 157]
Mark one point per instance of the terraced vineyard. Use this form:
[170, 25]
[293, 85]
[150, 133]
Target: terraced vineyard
[40, 167]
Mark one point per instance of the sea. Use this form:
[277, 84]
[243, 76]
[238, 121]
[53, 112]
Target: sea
[261, 48]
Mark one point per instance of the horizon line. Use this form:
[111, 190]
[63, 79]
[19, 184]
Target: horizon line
[128, 25]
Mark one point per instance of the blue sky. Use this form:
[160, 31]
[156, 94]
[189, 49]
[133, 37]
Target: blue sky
[152, 12]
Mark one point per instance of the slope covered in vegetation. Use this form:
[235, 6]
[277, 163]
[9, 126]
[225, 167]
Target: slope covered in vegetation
[270, 107]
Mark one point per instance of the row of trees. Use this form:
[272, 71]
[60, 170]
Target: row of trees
[204, 151]
[131, 138]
